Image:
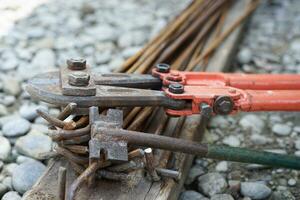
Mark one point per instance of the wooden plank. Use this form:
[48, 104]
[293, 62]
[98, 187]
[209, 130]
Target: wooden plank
[46, 187]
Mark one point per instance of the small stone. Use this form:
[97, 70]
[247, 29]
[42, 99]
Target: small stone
[212, 183]
[8, 100]
[102, 33]
[44, 59]
[222, 197]
[3, 110]
[5, 148]
[292, 182]
[244, 56]
[11, 85]
[282, 129]
[282, 195]
[232, 141]
[297, 129]
[218, 122]
[28, 111]
[26, 174]
[252, 122]
[259, 139]
[297, 144]
[35, 32]
[11, 130]
[128, 52]
[9, 168]
[103, 58]
[194, 172]
[34, 144]
[255, 190]
[12, 195]
[7, 181]
[222, 166]
[295, 45]
[191, 195]
[3, 189]
[21, 159]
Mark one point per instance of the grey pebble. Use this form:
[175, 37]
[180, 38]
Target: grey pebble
[26, 174]
[5, 148]
[11, 85]
[8, 169]
[222, 197]
[44, 59]
[191, 195]
[28, 111]
[232, 141]
[282, 195]
[12, 195]
[244, 56]
[282, 129]
[252, 122]
[3, 189]
[3, 110]
[16, 127]
[34, 144]
[211, 183]
[7, 181]
[194, 172]
[255, 190]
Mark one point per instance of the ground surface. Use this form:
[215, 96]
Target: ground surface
[108, 32]
[271, 45]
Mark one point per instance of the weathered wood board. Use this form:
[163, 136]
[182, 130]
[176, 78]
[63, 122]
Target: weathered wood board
[46, 186]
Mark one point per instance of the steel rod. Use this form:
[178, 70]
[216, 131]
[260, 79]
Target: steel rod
[205, 150]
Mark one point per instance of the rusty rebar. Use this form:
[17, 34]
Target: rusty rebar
[62, 176]
[61, 134]
[88, 172]
[55, 121]
[67, 111]
[150, 165]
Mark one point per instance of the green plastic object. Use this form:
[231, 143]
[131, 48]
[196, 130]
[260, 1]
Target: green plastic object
[252, 156]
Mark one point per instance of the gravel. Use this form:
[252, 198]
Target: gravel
[104, 33]
[192, 195]
[271, 45]
[255, 190]
[11, 196]
[282, 129]
[34, 144]
[5, 148]
[211, 183]
[26, 174]
[16, 127]
[108, 33]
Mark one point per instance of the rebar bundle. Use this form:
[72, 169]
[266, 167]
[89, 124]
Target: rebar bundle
[186, 43]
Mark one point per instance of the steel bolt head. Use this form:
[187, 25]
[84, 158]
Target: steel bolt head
[163, 67]
[205, 110]
[223, 105]
[79, 78]
[76, 63]
[176, 88]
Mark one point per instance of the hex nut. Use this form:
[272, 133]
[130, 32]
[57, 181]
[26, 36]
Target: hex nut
[176, 88]
[79, 78]
[163, 67]
[76, 63]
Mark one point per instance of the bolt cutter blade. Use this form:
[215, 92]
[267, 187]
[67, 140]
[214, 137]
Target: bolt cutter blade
[47, 87]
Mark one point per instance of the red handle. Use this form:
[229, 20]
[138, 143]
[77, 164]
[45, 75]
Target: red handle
[270, 100]
[263, 81]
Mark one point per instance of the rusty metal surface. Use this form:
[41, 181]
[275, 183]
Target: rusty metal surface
[46, 87]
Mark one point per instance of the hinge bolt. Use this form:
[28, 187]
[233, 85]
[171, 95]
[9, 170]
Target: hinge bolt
[163, 67]
[176, 88]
